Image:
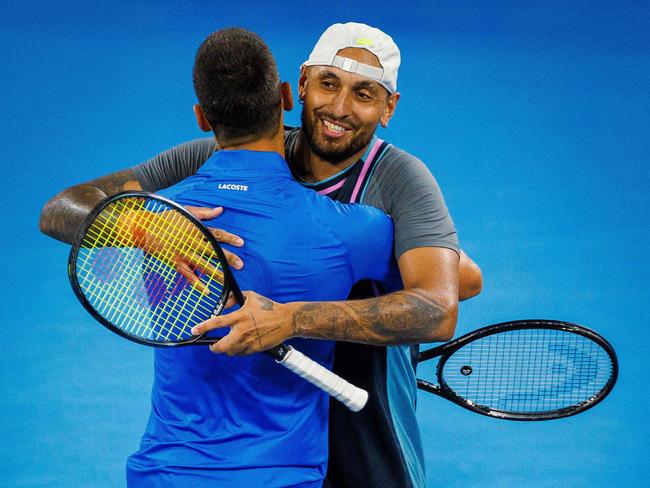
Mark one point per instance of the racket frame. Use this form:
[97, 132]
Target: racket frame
[229, 283]
[445, 351]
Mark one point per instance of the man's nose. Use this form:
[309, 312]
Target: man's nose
[341, 104]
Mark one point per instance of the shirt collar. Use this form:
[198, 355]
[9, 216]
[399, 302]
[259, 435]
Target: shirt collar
[248, 162]
[334, 179]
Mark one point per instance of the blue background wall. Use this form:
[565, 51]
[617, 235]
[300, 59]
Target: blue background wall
[533, 116]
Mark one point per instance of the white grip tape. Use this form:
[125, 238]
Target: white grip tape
[352, 397]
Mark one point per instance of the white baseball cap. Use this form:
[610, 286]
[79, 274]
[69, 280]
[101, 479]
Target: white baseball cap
[352, 34]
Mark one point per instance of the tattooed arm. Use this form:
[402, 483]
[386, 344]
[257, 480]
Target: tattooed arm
[63, 214]
[425, 311]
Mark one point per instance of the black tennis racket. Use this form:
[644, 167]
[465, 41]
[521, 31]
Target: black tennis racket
[525, 370]
[149, 271]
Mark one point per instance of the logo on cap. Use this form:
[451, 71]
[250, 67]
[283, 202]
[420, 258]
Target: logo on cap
[364, 41]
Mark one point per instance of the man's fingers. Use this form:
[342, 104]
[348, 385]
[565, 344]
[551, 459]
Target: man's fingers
[204, 213]
[233, 260]
[200, 245]
[227, 345]
[222, 236]
[186, 271]
[226, 237]
[215, 323]
[206, 267]
[189, 275]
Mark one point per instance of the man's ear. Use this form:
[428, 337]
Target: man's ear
[389, 109]
[203, 123]
[287, 96]
[302, 82]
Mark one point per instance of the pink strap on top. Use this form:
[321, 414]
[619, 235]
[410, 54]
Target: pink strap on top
[364, 170]
[327, 191]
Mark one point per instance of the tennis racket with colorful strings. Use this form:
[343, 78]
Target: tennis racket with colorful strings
[524, 370]
[149, 271]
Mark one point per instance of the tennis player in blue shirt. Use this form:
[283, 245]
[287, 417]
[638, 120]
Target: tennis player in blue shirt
[244, 421]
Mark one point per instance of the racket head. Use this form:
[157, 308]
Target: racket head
[141, 295]
[526, 370]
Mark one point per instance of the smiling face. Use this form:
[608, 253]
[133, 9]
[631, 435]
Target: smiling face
[342, 109]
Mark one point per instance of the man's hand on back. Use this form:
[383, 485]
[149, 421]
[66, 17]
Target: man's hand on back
[223, 237]
[257, 326]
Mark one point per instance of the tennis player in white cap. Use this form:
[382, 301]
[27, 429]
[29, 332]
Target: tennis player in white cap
[348, 86]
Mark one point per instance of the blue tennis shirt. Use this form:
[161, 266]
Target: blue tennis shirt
[246, 421]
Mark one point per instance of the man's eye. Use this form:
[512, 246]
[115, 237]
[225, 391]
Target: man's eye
[364, 96]
[327, 84]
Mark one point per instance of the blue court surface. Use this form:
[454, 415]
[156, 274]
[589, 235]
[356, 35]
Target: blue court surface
[533, 116]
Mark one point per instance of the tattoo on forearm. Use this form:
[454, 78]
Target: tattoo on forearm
[63, 214]
[325, 320]
[403, 317]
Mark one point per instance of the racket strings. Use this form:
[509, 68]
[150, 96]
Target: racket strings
[177, 241]
[144, 295]
[529, 370]
[129, 312]
[98, 239]
[180, 244]
[164, 275]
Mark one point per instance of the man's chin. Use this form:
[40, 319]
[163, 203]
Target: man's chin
[333, 153]
[335, 149]
[334, 157]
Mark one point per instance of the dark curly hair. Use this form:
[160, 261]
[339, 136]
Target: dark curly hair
[237, 83]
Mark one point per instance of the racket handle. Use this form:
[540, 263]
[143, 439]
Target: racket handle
[351, 396]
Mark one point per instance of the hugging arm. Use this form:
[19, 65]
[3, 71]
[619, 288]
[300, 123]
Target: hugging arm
[425, 311]
[64, 213]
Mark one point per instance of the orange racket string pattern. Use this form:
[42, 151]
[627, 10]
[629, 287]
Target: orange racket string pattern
[104, 236]
[178, 242]
[118, 286]
[166, 274]
[129, 263]
[136, 227]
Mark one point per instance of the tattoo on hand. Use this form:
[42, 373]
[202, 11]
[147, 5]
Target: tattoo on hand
[266, 303]
[261, 335]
